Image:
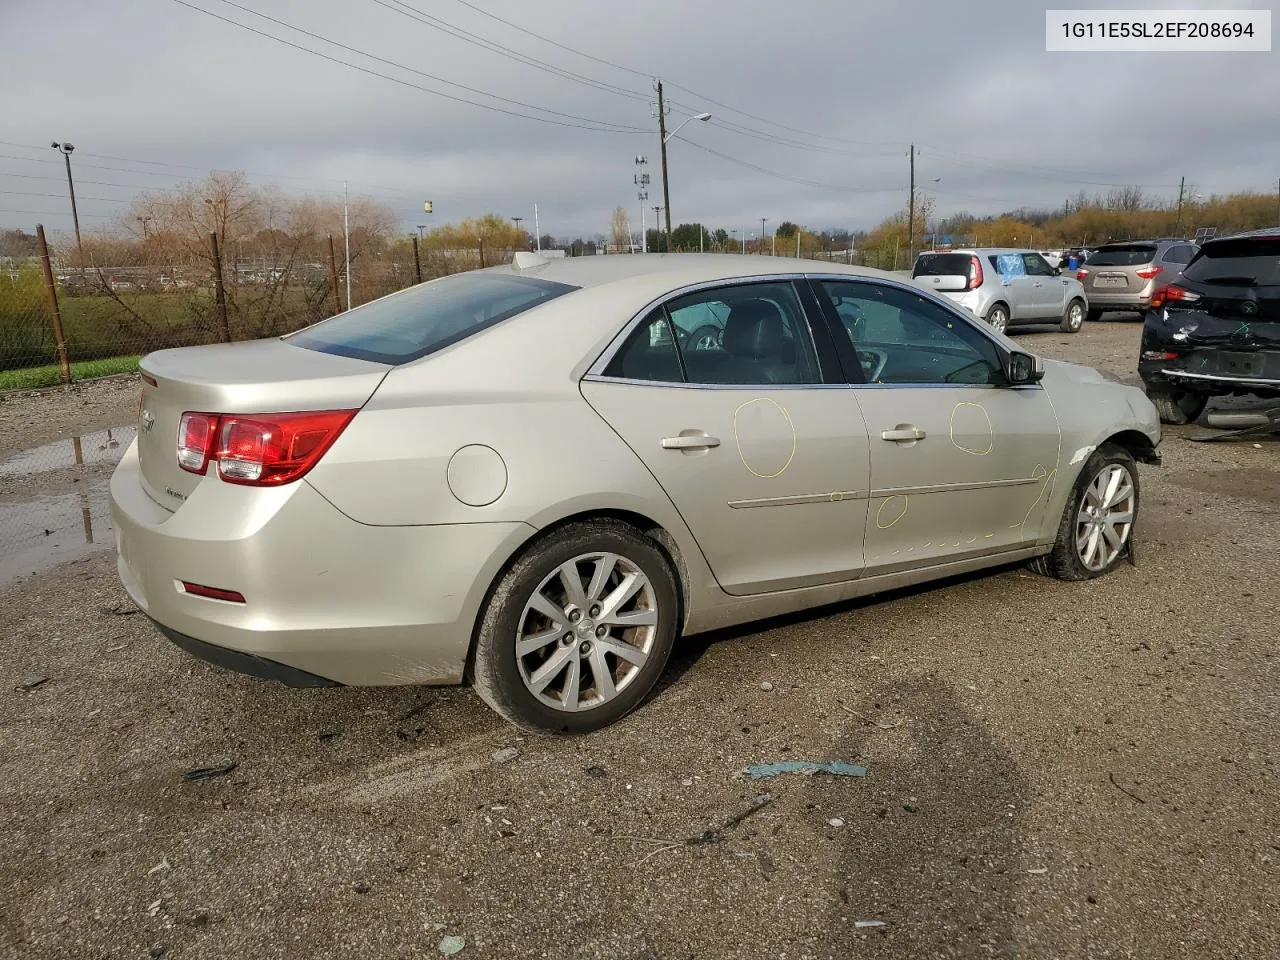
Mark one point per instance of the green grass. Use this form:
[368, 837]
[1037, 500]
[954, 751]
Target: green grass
[32, 378]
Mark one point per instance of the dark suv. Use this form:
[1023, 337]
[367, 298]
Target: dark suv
[1217, 330]
[1122, 276]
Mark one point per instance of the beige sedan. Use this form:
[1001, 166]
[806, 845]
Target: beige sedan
[538, 476]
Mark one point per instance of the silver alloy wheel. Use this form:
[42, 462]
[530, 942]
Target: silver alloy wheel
[1105, 518]
[998, 319]
[586, 632]
[1075, 316]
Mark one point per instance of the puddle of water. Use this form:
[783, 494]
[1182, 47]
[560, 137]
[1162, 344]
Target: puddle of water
[44, 531]
[102, 446]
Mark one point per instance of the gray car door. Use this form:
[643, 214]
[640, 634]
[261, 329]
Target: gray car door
[767, 464]
[961, 466]
[1048, 291]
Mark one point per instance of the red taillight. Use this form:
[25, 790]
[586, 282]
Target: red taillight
[1146, 273]
[258, 449]
[212, 593]
[269, 449]
[196, 435]
[1171, 293]
[975, 273]
[1081, 274]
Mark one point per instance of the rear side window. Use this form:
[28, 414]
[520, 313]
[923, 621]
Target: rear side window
[1243, 262]
[942, 265]
[1129, 255]
[1182, 253]
[429, 317]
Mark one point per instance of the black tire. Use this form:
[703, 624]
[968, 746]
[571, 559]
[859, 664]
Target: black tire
[1073, 317]
[1093, 316]
[496, 671]
[1177, 407]
[998, 317]
[1064, 562]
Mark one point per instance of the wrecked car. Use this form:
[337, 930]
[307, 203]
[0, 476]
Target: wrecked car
[1216, 331]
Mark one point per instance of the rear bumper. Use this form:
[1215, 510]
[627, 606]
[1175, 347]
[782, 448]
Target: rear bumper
[327, 599]
[1102, 300]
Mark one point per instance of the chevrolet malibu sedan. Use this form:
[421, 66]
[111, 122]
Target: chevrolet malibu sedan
[534, 478]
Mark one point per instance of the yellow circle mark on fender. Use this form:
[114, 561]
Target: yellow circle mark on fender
[737, 438]
[991, 440]
[901, 512]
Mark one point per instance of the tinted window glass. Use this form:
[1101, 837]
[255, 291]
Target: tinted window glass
[1244, 262]
[414, 322]
[902, 337]
[942, 265]
[1182, 253]
[649, 353]
[751, 334]
[1131, 255]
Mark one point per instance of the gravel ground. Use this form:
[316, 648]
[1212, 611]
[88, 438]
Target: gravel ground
[1053, 770]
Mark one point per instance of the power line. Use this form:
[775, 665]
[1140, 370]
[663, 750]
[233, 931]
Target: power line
[422, 73]
[48, 213]
[96, 183]
[783, 176]
[398, 80]
[413, 13]
[59, 196]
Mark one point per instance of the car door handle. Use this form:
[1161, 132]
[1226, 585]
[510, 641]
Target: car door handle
[903, 433]
[1038, 284]
[696, 441]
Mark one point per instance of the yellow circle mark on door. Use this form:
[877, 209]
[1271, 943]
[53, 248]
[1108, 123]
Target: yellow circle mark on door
[902, 512]
[975, 424]
[757, 425]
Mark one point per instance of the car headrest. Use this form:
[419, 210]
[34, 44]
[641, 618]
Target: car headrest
[754, 329]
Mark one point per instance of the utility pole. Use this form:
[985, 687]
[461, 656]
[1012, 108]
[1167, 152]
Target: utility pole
[763, 221]
[517, 221]
[656, 219]
[662, 135]
[1278, 203]
[1177, 224]
[536, 228]
[346, 239]
[66, 149]
[911, 209]
[422, 231]
[417, 260]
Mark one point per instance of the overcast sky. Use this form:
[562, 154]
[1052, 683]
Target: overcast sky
[171, 93]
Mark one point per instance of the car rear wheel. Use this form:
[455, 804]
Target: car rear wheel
[1073, 319]
[577, 632]
[1097, 524]
[998, 318]
[1177, 406]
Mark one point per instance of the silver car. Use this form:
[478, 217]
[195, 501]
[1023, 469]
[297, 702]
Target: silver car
[535, 477]
[1123, 276]
[1004, 286]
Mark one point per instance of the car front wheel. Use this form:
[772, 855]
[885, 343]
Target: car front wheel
[577, 632]
[1097, 524]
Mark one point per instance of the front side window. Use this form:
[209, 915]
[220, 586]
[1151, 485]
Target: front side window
[422, 319]
[1181, 253]
[901, 337]
[1036, 265]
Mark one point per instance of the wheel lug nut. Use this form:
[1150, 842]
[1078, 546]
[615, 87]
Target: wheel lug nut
[585, 647]
[595, 611]
[567, 639]
[575, 616]
[601, 630]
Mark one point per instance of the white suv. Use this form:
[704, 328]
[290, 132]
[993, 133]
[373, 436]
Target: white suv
[1004, 286]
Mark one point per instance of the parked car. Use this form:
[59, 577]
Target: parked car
[1216, 331]
[1122, 276]
[1004, 286]
[519, 475]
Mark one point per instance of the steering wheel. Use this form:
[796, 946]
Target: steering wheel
[873, 362]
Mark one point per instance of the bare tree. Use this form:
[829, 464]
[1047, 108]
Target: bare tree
[620, 229]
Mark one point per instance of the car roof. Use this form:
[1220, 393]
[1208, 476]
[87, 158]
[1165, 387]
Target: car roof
[680, 269]
[1245, 235]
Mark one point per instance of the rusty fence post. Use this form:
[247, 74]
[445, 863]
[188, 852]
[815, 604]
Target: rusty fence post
[481, 244]
[333, 278]
[219, 291]
[64, 365]
[417, 261]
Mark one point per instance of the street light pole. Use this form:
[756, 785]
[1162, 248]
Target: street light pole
[422, 231]
[763, 221]
[516, 221]
[665, 137]
[66, 150]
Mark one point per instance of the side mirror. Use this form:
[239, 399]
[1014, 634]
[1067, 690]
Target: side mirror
[1022, 369]
[1057, 271]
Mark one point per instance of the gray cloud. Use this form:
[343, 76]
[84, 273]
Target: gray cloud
[1002, 122]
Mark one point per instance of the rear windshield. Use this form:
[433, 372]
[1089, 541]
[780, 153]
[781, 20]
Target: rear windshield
[414, 322]
[942, 265]
[1246, 262]
[1130, 255]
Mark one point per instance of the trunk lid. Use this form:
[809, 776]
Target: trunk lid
[1114, 269]
[260, 376]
